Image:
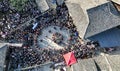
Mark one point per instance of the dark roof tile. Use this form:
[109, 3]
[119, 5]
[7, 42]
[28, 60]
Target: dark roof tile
[102, 18]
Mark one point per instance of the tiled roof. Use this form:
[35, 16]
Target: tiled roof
[79, 17]
[102, 18]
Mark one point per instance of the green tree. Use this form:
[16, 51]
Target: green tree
[1, 0]
[18, 4]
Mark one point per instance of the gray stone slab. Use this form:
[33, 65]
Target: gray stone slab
[2, 44]
[52, 3]
[114, 61]
[42, 5]
[88, 65]
[68, 69]
[2, 57]
[102, 64]
[80, 19]
[84, 65]
[77, 67]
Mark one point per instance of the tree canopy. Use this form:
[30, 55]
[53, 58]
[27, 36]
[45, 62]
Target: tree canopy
[18, 4]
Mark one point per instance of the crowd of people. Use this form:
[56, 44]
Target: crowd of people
[31, 54]
[59, 18]
[25, 57]
[11, 18]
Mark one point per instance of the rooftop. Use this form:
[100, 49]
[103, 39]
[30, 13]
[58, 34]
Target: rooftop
[102, 18]
[96, 17]
[80, 18]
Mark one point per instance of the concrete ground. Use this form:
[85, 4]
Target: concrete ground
[47, 37]
[43, 68]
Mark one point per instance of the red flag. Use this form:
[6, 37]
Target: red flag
[69, 58]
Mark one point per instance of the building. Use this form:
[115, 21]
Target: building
[104, 20]
[96, 21]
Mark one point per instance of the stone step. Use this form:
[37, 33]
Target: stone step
[114, 61]
[108, 62]
[83, 65]
[103, 62]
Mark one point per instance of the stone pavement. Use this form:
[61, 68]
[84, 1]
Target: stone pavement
[84, 65]
[102, 62]
[2, 44]
[43, 67]
[3, 51]
[42, 5]
[47, 37]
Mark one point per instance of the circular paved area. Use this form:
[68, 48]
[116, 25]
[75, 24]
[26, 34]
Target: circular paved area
[53, 37]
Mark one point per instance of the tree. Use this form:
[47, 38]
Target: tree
[18, 4]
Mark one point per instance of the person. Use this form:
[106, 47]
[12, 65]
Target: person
[61, 69]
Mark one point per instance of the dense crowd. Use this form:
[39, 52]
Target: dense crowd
[12, 18]
[61, 19]
[31, 54]
[25, 57]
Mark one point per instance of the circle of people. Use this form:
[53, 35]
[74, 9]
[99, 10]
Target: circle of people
[31, 54]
